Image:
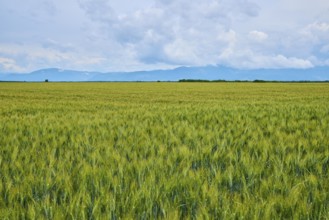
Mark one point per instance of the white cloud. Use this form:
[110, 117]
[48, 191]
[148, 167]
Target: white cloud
[229, 37]
[9, 65]
[316, 32]
[181, 52]
[34, 57]
[289, 62]
[257, 36]
[322, 27]
[249, 59]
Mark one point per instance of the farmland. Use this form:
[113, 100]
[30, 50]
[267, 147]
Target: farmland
[164, 150]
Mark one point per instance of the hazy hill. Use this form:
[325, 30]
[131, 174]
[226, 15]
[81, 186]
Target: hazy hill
[205, 72]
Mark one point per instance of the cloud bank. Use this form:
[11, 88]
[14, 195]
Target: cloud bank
[104, 35]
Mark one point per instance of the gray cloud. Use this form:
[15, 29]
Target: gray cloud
[178, 32]
[48, 7]
[98, 10]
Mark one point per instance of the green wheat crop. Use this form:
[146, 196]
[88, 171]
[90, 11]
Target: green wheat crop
[164, 151]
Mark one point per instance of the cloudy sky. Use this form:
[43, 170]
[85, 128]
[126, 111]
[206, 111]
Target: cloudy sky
[125, 35]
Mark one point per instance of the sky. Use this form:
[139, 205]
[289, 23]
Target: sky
[123, 35]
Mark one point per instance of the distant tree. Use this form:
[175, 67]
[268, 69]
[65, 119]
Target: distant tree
[46, 80]
[259, 81]
[193, 80]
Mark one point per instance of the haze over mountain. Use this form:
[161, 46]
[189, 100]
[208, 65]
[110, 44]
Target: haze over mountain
[204, 72]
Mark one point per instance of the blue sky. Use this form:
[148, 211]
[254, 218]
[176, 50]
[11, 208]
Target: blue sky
[111, 35]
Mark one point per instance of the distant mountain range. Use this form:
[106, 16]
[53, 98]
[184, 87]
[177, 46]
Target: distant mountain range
[204, 73]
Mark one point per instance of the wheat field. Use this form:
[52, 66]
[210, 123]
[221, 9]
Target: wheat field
[164, 150]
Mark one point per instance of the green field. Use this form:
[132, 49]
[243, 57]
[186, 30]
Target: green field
[164, 150]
